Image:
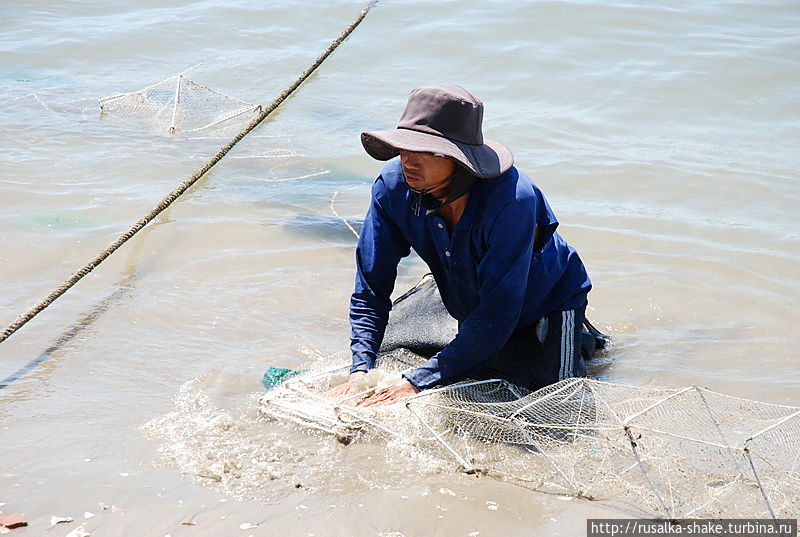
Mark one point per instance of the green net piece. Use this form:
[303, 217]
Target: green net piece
[275, 375]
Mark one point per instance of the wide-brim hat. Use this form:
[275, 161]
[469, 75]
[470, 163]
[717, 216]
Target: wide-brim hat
[446, 121]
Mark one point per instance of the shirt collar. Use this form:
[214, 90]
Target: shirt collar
[468, 216]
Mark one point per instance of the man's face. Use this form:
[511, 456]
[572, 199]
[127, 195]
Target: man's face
[424, 171]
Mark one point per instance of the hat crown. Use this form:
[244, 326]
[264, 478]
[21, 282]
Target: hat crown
[444, 110]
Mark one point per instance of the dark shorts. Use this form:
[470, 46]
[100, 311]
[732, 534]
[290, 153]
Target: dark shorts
[542, 354]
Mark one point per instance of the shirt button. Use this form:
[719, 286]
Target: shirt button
[440, 225]
[447, 253]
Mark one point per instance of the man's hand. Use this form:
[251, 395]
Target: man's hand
[348, 387]
[390, 394]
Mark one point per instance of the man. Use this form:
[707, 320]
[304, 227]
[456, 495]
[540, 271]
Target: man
[517, 289]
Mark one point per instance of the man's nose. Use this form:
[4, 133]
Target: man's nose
[407, 157]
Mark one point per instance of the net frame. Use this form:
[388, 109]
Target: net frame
[665, 452]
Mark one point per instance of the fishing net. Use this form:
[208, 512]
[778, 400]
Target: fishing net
[180, 104]
[672, 453]
[652, 451]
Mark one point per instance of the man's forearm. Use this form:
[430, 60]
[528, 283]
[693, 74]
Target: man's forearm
[368, 318]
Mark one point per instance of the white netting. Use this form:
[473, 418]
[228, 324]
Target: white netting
[181, 104]
[674, 453]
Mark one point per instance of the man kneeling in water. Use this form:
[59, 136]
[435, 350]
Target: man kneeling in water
[487, 233]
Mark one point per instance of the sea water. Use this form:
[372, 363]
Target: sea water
[664, 134]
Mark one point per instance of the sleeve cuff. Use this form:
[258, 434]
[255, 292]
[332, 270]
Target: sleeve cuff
[359, 367]
[420, 379]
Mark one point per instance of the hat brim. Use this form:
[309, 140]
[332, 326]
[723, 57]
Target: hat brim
[485, 161]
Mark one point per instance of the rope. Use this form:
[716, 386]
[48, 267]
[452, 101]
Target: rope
[185, 185]
[123, 288]
[337, 215]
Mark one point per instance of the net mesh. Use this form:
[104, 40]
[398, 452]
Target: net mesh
[180, 104]
[673, 453]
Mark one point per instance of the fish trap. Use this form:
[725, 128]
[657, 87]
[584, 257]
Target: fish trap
[179, 104]
[671, 453]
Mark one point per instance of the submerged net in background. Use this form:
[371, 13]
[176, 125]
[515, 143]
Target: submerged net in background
[179, 104]
[671, 453]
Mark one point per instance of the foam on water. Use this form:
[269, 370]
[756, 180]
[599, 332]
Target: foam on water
[225, 444]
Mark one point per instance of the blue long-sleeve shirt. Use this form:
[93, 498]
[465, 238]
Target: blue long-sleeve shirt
[490, 276]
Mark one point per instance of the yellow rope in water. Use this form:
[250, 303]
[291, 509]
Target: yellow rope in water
[184, 186]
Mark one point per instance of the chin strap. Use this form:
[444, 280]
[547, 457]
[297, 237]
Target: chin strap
[423, 199]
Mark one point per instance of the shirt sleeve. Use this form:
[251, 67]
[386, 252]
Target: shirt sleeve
[380, 248]
[503, 278]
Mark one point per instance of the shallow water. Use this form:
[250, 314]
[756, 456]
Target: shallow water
[665, 136]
